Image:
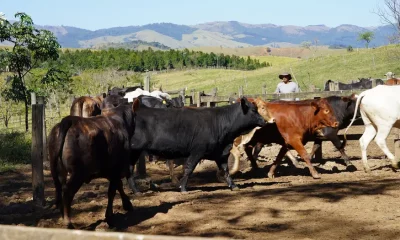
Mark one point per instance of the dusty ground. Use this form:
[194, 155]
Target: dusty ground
[342, 205]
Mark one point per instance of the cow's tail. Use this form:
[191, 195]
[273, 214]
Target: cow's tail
[354, 117]
[55, 146]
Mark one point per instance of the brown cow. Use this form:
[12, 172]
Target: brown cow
[393, 81]
[89, 148]
[296, 122]
[87, 106]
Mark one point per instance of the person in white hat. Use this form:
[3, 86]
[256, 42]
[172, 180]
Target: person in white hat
[286, 85]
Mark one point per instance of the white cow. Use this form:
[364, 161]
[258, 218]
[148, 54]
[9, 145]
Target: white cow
[134, 94]
[380, 111]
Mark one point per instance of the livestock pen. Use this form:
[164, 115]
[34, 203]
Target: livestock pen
[340, 205]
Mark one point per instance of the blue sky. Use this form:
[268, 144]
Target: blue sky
[97, 14]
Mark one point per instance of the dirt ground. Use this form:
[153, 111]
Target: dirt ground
[341, 205]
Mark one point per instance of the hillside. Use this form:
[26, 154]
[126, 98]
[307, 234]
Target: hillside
[221, 34]
[135, 45]
[342, 66]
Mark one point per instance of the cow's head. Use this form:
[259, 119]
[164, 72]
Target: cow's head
[262, 109]
[250, 110]
[323, 114]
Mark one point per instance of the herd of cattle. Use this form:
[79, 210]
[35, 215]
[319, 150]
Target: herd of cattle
[104, 136]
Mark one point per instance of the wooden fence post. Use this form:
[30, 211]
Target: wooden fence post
[37, 154]
[264, 89]
[240, 91]
[33, 98]
[373, 82]
[193, 94]
[40, 100]
[198, 99]
[182, 94]
[147, 82]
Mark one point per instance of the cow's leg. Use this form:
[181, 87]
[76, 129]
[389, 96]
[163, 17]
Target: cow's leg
[316, 146]
[281, 154]
[126, 202]
[331, 135]
[293, 159]
[174, 178]
[190, 165]
[69, 190]
[223, 166]
[248, 149]
[299, 147]
[131, 180]
[365, 139]
[59, 179]
[380, 139]
[112, 188]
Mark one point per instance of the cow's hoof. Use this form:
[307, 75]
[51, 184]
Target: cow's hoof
[396, 165]
[70, 226]
[367, 169]
[271, 175]
[128, 206]
[110, 222]
[235, 188]
[221, 177]
[316, 176]
[351, 168]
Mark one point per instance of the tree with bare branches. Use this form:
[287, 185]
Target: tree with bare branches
[390, 14]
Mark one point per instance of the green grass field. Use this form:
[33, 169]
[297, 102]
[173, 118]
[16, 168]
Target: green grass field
[341, 66]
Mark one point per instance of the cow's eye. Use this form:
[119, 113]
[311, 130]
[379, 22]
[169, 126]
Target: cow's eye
[326, 111]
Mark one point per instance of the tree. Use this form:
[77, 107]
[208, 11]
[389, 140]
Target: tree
[366, 36]
[30, 48]
[390, 14]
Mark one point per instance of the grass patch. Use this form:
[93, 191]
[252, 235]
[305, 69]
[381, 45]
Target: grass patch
[341, 66]
[15, 149]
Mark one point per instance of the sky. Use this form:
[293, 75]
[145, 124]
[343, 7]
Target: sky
[98, 14]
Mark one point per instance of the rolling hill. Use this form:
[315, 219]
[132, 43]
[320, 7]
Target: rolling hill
[231, 34]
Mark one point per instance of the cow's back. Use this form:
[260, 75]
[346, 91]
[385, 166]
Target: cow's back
[382, 102]
[85, 107]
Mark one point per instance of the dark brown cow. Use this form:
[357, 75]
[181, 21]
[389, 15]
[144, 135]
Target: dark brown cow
[296, 123]
[89, 148]
[87, 106]
[393, 81]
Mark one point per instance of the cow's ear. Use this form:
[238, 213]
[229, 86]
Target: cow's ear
[244, 105]
[135, 105]
[353, 96]
[346, 99]
[315, 106]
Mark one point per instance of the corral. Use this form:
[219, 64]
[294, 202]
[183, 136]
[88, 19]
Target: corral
[342, 205]
[351, 205]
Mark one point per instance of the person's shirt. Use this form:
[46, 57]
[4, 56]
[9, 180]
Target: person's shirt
[290, 87]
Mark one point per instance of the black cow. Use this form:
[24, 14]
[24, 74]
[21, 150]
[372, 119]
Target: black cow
[123, 90]
[89, 148]
[364, 83]
[343, 108]
[194, 134]
[145, 101]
